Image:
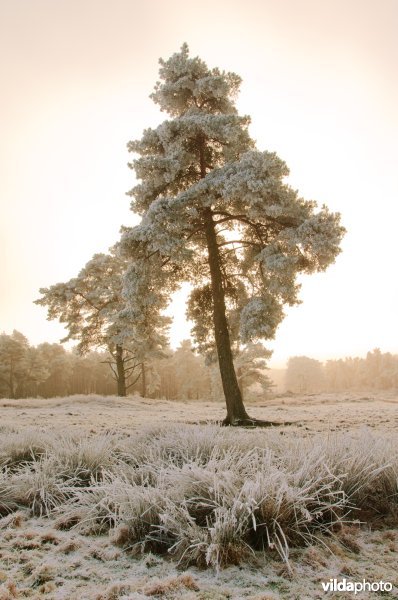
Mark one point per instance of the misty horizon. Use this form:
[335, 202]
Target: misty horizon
[69, 110]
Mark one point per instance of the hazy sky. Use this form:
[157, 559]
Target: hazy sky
[320, 83]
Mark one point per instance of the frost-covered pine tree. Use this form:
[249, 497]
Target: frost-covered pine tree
[91, 307]
[251, 370]
[218, 213]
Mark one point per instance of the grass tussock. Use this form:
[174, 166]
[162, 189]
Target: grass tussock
[172, 584]
[203, 494]
[17, 448]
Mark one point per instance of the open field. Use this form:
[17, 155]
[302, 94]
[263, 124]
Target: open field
[313, 413]
[106, 498]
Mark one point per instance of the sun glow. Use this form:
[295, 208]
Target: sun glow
[319, 83]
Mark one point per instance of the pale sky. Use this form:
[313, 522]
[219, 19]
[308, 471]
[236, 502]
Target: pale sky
[320, 83]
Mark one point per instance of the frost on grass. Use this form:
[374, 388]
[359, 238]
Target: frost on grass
[117, 515]
[203, 494]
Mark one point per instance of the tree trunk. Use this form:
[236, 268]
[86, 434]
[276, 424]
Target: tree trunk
[11, 382]
[121, 377]
[236, 411]
[143, 376]
[240, 381]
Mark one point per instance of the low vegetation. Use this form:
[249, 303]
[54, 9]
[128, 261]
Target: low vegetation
[205, 495]
[96, 504]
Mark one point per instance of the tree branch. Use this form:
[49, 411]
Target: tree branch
[134, 382]
[199, 229]
[112, 369]
[126, 360]
[131, 369]
[244, 242]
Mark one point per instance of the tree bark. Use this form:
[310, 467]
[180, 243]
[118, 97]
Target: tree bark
[236, 411]
[121, 376]
[240, 382]
[11, 384]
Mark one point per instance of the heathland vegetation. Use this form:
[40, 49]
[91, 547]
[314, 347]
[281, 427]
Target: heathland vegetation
[94, 502]
[86, 478]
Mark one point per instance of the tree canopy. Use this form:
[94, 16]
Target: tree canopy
[22, 367]
[91, 307]
[218, 213]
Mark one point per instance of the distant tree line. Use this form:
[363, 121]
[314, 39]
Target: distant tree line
[377, 371]
[49, 370]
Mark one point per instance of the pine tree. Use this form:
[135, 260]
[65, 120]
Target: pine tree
[91, 306]
[22, 367]
[251, 370]
[59, 365]
[218, 213]
[191, 373]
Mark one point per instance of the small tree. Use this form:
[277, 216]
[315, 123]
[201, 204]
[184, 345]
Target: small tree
[218, 213]
[59, 366]
[90, 305]
[193, 377]
[251, 370]
[22, 368]
[304, 374]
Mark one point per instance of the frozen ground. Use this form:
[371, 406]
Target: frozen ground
[42, 558]
[315, 412]
[39, 561]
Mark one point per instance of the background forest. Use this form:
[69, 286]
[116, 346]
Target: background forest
[49, 370]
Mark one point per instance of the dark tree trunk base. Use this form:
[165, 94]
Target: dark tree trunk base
[121, 373]
[252, 423]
